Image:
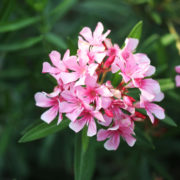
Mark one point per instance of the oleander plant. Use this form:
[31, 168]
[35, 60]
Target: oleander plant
[89, 89]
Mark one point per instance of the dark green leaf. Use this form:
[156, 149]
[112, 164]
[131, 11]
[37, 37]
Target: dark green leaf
[12, 26]
[56, 40]
[116, 79]
[84, 162]
[61, 10]
[43, 129]
[169, 121]
[21, 45]
[143, 138]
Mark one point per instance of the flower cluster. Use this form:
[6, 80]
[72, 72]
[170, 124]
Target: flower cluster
[177, 79]
[87, 98]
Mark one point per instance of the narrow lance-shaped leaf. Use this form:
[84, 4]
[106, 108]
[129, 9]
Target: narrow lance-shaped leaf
[42, 130]
[56, 40]
[61, 10]
[136, 31]
[13, 26]
[84, 157]
[168, 120]
[21, 44]
[166, 84]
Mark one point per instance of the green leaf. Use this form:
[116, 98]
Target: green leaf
[116, 79]
[136, 31]
[56, 40]
[166, 84]
[84, 158]
[143, 139]
[21, 44]
[42, 130]
[61, 10]
[13, 26]
[169, 121]
[167, 39]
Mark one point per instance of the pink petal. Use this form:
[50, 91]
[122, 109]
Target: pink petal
[102, 135]
[66, 55]
[130, 140]
[141, 58]
[159, 97]
[77, 125]
[50, 114]
[69, 77]
[68, 96]
[92, 68]
[66, 107]
[55, 58]
[74, 114]
[92, 130]
[151, 117]
[151, 70]
[60, 118]
[177, 68]
[71, 63]
[91, 81]
[98, 116]
[131, 44]
[156, 110]
[177, 81]
[106, 102]
[107, 122]
[104, 91]
[112, 143]
[42, 100]
[86, 33]
[81, 81]
[98, 30]
[47, 68]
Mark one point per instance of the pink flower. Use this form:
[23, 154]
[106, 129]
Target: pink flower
[177, 68]
[80, 70]
[72, 105]
[177, 81]
[152, 108]
[96, 93]
[113, 135]
[87, 118]
[95, 38]
[149, 88]
[49, 100]
[84, 98]
[58, 64]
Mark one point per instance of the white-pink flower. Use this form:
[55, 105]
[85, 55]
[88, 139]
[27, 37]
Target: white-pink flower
[49, 101]
[86, 96]
[87, 117]
[177, 78]
[113, 134]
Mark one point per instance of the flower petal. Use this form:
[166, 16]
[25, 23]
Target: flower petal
[112, 143]
[102, 135]
[42, 100]
[50, 114]
[77, 125]
[92, 130]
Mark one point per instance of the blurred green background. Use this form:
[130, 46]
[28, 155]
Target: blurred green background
[29, 30]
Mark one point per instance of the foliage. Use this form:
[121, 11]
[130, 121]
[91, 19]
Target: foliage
[29, 30]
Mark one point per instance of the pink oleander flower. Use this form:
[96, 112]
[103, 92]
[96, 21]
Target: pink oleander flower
[177, 78]
[51, 100]
[121, 128]
[86, 95]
